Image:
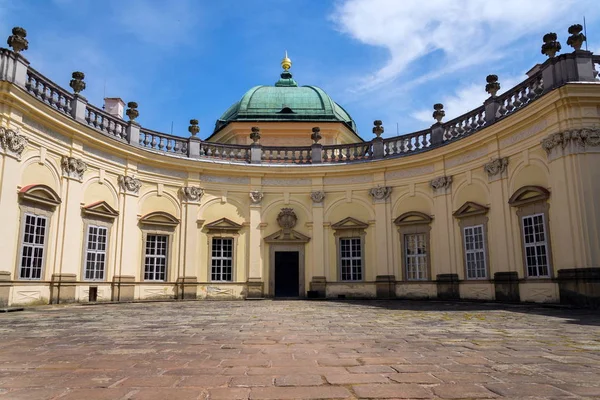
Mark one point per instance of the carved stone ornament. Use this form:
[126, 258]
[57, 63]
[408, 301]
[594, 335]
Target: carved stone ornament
[438, 112]
[380, 192]
[497, 166]
[73, 167]
[193, 128]
[17, 40]
[577, 38]
[441, 182]
[256, 196]
[192, 193]
[287, 218]
[255, 134]
[12, 142]
[492, 85]
[129, 184]
[77, 83]
[582, 137]
[316, 135]
[377, 128]
[551, 46]
[317, 196]
[132, 112]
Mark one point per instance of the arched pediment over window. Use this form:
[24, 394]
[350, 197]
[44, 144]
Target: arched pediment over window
[412, 218]
[528, 195]
[100, 209]
[40, 194]
[159, 218]
[470, 209]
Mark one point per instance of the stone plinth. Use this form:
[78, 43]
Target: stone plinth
[580, 286]
[507, 286]
[123, 288]
[255, 288]
[447, 287]
[187, 287]
[4, 288]
[319, 284]
[385, 286]
[62, 289]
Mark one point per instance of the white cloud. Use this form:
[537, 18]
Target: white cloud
[468, 32]
[464, 99]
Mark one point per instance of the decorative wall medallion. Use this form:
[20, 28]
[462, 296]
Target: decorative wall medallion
[380, 192]
[256, 196]
[496, 167]
[191, 193]
[317, 196]
[129, 184]
[73, 167]
[287, 218]
[12, 142]
[580, 137]
[441, 182]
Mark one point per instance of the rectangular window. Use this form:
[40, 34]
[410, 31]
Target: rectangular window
[222, 259]
[95, 253]
[155, 266]
[351, 259]
[32, 251]
[475, 252]
[416, 256]
[536, 246]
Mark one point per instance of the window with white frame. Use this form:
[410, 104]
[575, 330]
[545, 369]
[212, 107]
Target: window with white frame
[32, 249]
[536, 245]
[95, 252]
[222, 259]
[155, 264]
[475, 252]
[415, 249]
[351, 259]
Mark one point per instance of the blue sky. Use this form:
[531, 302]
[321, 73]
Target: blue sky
[380, 59]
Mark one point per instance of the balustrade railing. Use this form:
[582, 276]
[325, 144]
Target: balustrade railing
[226, 152]
[465, 124]
[286, 155]
[163, 142]
[407, 144]
[341, 153]
[520, 95]
[106, 123]
[47, 91]
[438, 135]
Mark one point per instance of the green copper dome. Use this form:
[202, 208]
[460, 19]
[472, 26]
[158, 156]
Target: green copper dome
[285, 101]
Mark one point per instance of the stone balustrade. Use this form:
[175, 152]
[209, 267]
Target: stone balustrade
[557, 70]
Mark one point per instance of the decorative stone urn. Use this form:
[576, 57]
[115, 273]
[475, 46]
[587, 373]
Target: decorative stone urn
[17, 40]
[577, 38]
[492, 86]
[77, 83]
[551, 46]
[438, 112]
[378, 128]
[132, 111]
[193, 128]
[255, 135]
[316, 134]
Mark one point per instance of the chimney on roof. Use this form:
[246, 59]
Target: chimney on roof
[114, 106]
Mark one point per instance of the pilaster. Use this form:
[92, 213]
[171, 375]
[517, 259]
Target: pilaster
[9, 213]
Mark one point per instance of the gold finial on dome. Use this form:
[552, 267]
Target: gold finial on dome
[286, 63]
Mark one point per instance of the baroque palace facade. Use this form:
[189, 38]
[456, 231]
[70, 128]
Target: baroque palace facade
[284, 199]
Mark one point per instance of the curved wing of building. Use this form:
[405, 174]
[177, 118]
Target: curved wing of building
[497, 204]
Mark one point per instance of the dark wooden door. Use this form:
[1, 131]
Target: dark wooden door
[287, 276]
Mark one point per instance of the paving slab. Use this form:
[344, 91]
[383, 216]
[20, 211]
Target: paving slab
[299, 350]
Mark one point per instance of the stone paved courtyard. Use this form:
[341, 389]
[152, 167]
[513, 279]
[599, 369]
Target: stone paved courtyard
[299, 350]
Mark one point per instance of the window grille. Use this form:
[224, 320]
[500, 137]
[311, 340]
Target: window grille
[351, 259]
[475, 252]
[32, 250]
[155, 266]
[416, 256]
[536, 246]
[95, 253]
[222, 259]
